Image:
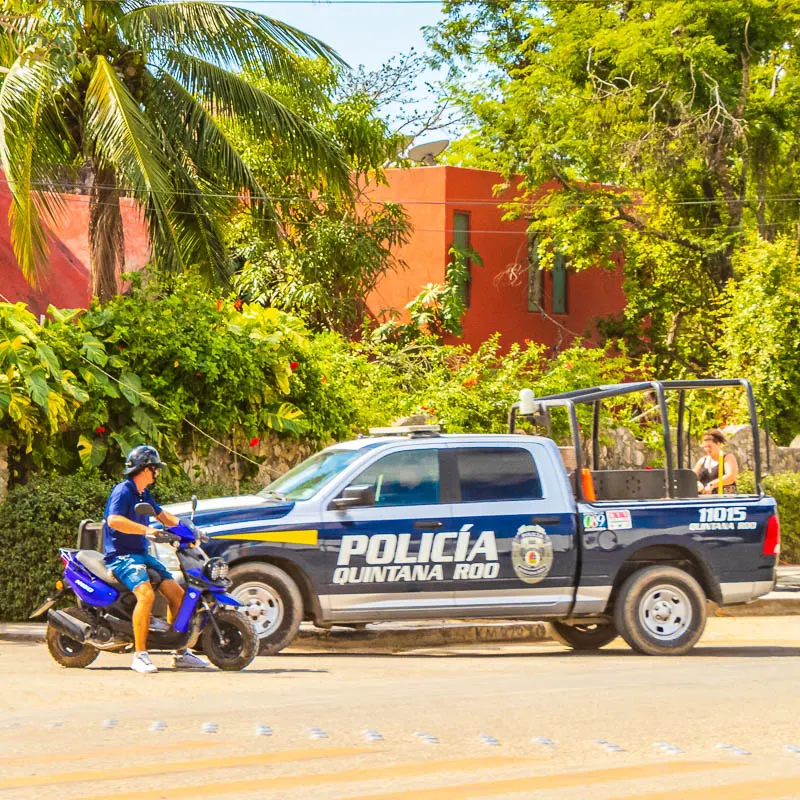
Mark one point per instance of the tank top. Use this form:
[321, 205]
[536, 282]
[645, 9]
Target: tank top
[710, 472]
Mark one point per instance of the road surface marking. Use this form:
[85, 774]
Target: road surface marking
[183, 766]
[751, 790]
[113, 752]
[289, 782]
[562, 780]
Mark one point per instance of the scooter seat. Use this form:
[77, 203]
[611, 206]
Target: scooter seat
[93, 561]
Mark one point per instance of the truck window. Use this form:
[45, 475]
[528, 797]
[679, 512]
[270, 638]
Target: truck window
[497, 473]
[307, 478]
[407, 478]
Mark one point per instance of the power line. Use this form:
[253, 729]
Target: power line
[49, 187]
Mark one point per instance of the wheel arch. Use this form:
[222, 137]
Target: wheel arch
[312, 610]
[668, 554]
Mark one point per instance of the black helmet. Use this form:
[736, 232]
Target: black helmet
[141, 457]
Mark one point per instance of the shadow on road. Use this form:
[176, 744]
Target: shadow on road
[482, 651]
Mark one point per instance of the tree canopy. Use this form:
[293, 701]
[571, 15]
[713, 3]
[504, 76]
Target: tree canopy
[668, 130]
[134, 90]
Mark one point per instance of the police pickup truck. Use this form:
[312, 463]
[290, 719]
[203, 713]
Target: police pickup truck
[420, 525]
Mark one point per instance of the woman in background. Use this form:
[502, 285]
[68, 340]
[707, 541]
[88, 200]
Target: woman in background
[707, 468]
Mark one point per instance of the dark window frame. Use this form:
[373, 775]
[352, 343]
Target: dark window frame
[467, 215]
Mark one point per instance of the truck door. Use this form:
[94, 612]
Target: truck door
[513, 502]
[389, 560]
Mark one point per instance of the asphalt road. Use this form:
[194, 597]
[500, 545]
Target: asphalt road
[564, 725]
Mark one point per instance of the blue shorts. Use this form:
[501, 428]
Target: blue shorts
[134, 570]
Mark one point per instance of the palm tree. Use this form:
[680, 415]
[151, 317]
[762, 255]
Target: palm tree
[132, 91]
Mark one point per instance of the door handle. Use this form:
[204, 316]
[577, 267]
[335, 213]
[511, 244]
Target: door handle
[546, 520]
[427, 523]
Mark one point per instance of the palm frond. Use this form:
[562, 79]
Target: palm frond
[183, 119]
[229, 96]
[226, 35]
[29, 142]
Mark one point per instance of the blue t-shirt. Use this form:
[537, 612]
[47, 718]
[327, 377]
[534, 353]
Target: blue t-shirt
[122, 502]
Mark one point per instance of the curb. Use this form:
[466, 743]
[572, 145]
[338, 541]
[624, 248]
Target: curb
[394, 637]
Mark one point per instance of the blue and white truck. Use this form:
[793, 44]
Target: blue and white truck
[414, 524]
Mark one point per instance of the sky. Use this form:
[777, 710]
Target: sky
[365, 33]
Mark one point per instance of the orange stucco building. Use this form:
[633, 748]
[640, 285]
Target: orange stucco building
[447, 206]
[450, 205]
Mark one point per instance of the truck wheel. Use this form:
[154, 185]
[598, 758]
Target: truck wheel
[661, 611]
[589, 636]
[66, 651]
[271, 601]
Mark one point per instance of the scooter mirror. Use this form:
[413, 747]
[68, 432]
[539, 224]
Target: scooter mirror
[194, 505]
[145, 509]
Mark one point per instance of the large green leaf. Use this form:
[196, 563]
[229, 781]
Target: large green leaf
[146, 423]
[92, 452]
[94, 350]
[131, 388]
[49, 358]
[36, 381]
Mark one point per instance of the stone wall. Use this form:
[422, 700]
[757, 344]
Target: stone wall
[620, 449]
[222, 466]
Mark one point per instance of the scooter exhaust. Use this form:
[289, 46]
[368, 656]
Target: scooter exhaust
[69, 626]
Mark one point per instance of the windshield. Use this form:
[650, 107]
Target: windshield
[307, 478]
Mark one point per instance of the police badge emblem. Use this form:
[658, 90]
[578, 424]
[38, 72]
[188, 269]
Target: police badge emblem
[532, 553]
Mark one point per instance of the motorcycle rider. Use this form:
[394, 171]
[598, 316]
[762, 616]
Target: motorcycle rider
[126, 555]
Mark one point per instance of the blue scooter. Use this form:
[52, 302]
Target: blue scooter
[102, 618]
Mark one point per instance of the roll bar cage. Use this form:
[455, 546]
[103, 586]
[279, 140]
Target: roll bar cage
[596, 394]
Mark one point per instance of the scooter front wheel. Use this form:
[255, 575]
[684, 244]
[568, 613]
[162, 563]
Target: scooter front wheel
[238, 645]
[66, 651]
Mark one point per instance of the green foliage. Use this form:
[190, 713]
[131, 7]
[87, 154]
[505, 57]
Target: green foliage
[785, 488]
[439, 308]
[334, 245]
[665, 132]
[39, 517]
[128, 90]
[760, 329]
[35, 520]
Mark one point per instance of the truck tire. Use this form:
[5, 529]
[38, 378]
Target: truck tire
[661, 611]
[588, 636]
[66, 651]
[271, 601]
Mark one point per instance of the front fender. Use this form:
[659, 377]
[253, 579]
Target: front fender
[221, 597]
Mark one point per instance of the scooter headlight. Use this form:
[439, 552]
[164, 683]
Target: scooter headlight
[216, 569]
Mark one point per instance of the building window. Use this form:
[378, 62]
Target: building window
[559, 284]
[461, 242]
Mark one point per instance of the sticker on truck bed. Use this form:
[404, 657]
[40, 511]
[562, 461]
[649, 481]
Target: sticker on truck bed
[619, 519]
[723, 518]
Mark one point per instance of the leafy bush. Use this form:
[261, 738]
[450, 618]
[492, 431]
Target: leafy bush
[785, 488]
[39, 517]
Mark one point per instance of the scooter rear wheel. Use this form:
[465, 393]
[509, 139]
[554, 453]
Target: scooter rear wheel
[240, 645]
[66, 651]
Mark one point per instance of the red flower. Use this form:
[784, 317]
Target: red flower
[294, 365]
[324, 379]
[120, 347]
[219, 304]
[199, 374]
[100, 429]
[469, 383]
[254, 441]
[569, 365]
[238, 303]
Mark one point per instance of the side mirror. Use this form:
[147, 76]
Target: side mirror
[353, 497]
[145, 509]
[194, 505]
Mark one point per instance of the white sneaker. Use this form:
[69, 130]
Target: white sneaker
[189, 660]
[142, 663]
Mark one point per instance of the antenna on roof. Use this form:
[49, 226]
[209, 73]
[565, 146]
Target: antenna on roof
[425, 154]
